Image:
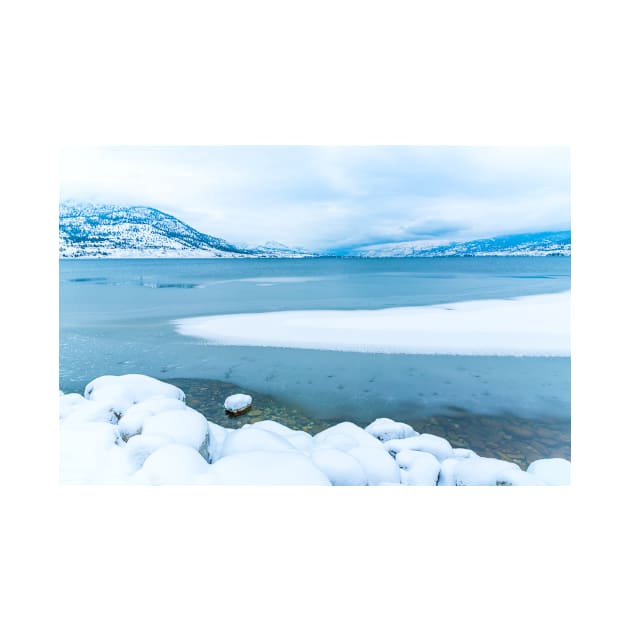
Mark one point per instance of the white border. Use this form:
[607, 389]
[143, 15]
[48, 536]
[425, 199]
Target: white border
[315, 73]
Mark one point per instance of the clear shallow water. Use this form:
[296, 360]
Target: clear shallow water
[116, 318]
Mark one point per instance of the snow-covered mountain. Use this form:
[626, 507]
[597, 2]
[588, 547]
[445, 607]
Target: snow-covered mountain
[531, 244]
[112, 231]
[279, 249]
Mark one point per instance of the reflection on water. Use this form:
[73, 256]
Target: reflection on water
[510, 438]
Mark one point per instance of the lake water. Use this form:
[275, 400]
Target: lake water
[116, 318]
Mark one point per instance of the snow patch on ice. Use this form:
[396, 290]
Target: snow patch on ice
[533, 325]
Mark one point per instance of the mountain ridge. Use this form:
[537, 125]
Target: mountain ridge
[550, 243]
[89, 230]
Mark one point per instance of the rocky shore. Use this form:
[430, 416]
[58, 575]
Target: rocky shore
[134, 429]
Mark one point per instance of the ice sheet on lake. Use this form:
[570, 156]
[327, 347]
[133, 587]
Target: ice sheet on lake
[536, 325]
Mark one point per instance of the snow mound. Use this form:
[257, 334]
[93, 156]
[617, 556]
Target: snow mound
[132, 420]
[273, 427]
[256, 468]
[342, 469]
[75, 408]
[511, 477]
[447, 475]
[217, 435]
[425, 442]
[139, 447]
[121, 392]
[386, 429]
[418, 468]
[248, 438]
[554, 471]
[302, 441]
[90, 453]
[482, 471]
[344, 436]
[174, 464]
[185, 427]
[379, 467]
[464, 453]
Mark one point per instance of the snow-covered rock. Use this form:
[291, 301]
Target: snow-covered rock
[464, 453]
[418, 468]
[249, 438]
[133, 419]
[386, 429]
[511, 477]
[425, 442]
[554, 471]
[90, 453]
[380, 468]
[75, 408]
[174, 464]
[186, 427]
[121, 392]
[340, 468]
[344, 436]
[301, 441]
[273, 427]
[238, 403]
[447, 476]
[482, 471]
[136, 429]
[139, 447]
[217, 435]
[265, 468]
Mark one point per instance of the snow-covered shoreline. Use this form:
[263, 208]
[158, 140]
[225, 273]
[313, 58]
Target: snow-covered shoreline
[536, 325]
[134, 429]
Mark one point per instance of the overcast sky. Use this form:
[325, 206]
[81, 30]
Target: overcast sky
[332, 197]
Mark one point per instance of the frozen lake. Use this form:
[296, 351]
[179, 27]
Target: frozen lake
[118, 317]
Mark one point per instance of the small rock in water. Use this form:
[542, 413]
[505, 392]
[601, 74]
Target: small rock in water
[237, 404]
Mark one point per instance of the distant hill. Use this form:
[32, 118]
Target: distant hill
[530, 244]
[89, 230]
[113, 231]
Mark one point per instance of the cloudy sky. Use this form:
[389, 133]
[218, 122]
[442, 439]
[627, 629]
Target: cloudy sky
[332, 198]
